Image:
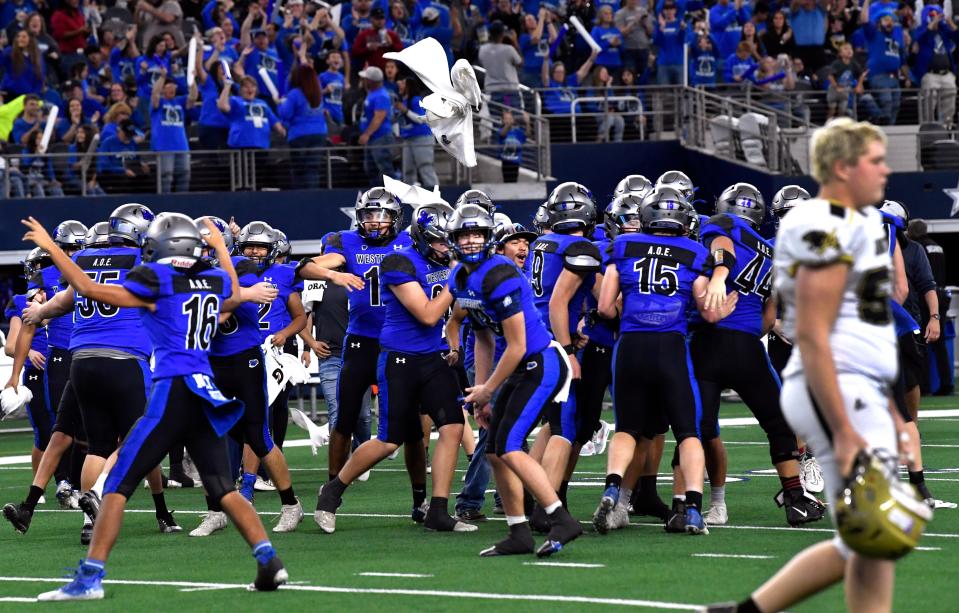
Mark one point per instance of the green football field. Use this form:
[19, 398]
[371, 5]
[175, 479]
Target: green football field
[378, 559]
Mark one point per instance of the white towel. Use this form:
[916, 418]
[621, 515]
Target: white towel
[563, 394]
[13, 402]
[319, 435]
[449, 109]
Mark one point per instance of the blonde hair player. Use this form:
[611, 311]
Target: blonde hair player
[832, 274]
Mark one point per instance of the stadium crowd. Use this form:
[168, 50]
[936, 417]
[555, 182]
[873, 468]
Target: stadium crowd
[304, 75]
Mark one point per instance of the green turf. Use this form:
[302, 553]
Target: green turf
[640, 563]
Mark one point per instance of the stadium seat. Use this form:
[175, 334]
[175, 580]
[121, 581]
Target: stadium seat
[941, 155]
[723, 129]
[752, 134]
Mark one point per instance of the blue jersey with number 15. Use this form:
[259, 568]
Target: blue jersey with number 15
[184, 321]
[363, 259]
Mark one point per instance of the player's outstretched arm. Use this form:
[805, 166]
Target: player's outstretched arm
[60, 304]
[701, 293]
[414, 299]
[609, 294]
[322, 268]
[74, 275]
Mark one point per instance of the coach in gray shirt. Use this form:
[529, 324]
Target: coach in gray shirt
[636, 26]
[501, 59]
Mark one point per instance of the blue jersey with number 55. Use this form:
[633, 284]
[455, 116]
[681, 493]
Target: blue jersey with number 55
[752, 274]
[99, 325]
[656, 276]
[184, 321]
[363, 259]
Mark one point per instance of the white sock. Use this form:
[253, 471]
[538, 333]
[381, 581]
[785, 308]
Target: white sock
[86, 520]
[549, 509]
[512, 520]
[717, 495]
[625, 495]
[679, 497]
[98, 486]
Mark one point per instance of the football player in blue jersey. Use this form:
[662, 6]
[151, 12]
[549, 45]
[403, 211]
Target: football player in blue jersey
[39, 414]
[180, 299]
[238, 367]
[532, 373]
[412, 373]
[360, 253]
[660, 274]
[110, 371]
[61, 401]
[562, 271]
[679, 181]
[729, 354]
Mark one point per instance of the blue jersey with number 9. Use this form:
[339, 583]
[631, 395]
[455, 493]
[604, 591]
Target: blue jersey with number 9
[363, 259]
[184, 321]
[656, 276]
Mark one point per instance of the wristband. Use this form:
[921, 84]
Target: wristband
[570, 349]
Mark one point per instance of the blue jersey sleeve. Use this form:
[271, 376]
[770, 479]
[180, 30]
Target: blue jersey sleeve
[502, 289]
[397, 269]
[334, 244]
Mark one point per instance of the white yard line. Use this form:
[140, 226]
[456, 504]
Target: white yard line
[403, 575]
[16, 599]
[556, 598]
[743, 556]
[565, 564]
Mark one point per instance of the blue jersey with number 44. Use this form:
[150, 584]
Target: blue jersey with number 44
[184, 321]
[99, 325]
[752, 274]
[363, 259]
[656, 276]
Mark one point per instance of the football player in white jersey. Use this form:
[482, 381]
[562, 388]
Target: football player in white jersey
[832, 274]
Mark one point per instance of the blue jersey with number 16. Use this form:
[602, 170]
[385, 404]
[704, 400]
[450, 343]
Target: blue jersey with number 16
[363, 259]
[184, 321]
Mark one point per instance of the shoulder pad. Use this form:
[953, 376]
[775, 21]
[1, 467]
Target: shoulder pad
[582, 257]
[398, 262]
[498, 274]
[244, 266]
[722, 221]
[146, 277]
[335, 241]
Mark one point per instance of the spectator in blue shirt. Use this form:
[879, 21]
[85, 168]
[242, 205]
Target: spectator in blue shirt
[354, 18]
[375, 126]
[123, 57]
[41, 179]
[534, 42]
[399, 22]
[153, 66]
[741, 65]
[302, 112]
[561, 90]
[28, 122]
[418, 162]
[703, 62]
[333, 83]
[512, 137]
[69, 123]
[85, 141]
[168, 134]
[119, 168]
[610, 40]
[886, 60]
[328, 36]
[808, 20]
[669, 38]
[726, 25]
[261, 55]
[431, 26]
[23, 70]
[935, 66]
[251, 119]
[215, 11]
[10, 9]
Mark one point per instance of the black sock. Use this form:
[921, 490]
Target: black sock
[469, 457]
[694, 499]
[335, 487]
[33, 497]
[160, 503]
[675, 461]
[676, 503]
[419, 494]
[563, 492]
[439, 505]
[647, 486]
[287, 497]
[748, 606]
[614, 480]
[791, 483]
[916, 477]
[330, 476]
[214, 505]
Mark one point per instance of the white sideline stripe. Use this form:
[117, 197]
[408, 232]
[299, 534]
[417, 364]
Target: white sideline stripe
[406, 515]
[17, 599]
[743, 556]
[565, 564]
[928, 548]
[622, 602]
[404, 575]
[14, 459]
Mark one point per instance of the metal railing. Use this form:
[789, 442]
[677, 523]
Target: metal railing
[529, 97]
[607, 115]
[535, 152]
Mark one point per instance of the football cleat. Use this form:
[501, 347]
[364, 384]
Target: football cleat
[601, 437]
[269, 576]
[587, 450]
[419, 513]
[721, 607]
[649, 504]
[565, 530]
[801, 507]
[695, 524]
[90, 504]
[538, 520]
[19, 516]
[618, 518]
[290, 517]
[67, 496]
[677, 517]
[471, 515]
[364, 476]
[810, 474]
[606, 504]
[213, 521]
[717, 515]
[246, 488]
[326, 506]
[168, 525]
[86, 533]
[178, 475]
[519, 542]
[85, 585]
[190, 468]
[261, 485]
[442, 522]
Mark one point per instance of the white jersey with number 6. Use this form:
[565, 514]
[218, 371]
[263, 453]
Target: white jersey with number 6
[818, 233]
